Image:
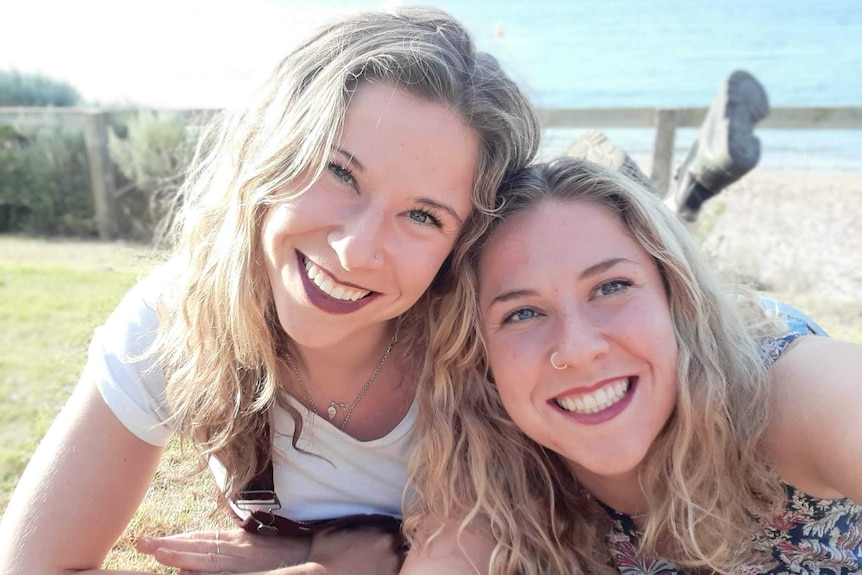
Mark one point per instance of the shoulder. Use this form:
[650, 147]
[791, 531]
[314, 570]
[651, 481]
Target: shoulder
[158, 285]
[122, 364]
[453, 550]
[815, 427]
[816, 370]
[137, 311]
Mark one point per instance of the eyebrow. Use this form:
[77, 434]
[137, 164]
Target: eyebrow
[351, 159]
[593, 270]
[602, 266]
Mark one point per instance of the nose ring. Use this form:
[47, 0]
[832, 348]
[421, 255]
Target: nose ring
[554, 363]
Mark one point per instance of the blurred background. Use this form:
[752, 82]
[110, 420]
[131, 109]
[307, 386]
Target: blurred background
[613, 53]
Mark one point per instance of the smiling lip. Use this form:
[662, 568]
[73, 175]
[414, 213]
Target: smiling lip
[617, 405]
[326, 302]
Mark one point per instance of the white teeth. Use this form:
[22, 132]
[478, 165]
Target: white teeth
[596, 401]
[328, 286]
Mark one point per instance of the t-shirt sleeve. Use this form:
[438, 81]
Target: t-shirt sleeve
[118, 362]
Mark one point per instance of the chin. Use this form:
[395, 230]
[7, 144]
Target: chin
[609, 468]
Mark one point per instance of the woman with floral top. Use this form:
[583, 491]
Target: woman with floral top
[669, 426]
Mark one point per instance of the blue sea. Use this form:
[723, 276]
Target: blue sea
[564, 53]
[634, 53]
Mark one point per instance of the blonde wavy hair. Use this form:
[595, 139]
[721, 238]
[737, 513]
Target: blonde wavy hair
[220, 340]
[704, 478]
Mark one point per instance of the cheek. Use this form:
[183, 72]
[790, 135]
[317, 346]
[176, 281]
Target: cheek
[418, 265]
[512, 381]
[514, 402]
[269, 241]
[273, 229]
[665, 341]
[665, 350]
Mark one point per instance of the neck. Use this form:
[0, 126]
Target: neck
[347, 365]
[621, 492]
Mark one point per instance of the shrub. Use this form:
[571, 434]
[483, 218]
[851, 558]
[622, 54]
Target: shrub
[44, 177]
[45, 183]
[153, 156]
[17, 89]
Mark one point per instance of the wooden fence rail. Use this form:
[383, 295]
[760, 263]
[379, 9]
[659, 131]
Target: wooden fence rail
[664, 121]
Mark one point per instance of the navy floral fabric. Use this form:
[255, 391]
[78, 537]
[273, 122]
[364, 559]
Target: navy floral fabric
[811, 535]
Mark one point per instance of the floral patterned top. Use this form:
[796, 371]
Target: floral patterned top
[811, 535]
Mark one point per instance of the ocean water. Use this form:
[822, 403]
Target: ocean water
[578, 53]
[633, 53]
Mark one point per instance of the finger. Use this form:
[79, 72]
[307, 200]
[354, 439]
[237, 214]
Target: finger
[150, 546]
[185, 541]
[204, 562]
[225, 546]
[230, 535]
[193, 535]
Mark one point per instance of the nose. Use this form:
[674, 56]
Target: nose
[580, 341]
[360, 242]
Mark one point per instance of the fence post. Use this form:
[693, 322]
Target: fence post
[662, 160]
[101, 173]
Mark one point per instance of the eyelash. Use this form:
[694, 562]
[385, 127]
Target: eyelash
[342, 173]
[511, 317]
[620, 285]
[433, 217]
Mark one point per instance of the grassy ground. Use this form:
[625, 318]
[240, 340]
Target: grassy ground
[54, 293]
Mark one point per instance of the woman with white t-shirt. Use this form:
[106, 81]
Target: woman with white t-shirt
[286, 337]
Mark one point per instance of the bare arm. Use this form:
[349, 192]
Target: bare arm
[816, 430]
[467, 554]
[78, 493]
[339, 551]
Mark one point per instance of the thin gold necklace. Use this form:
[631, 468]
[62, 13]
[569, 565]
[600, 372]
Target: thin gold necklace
[334, 406]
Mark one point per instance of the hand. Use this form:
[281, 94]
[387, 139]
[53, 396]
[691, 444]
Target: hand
[357, 551]
[235, 551]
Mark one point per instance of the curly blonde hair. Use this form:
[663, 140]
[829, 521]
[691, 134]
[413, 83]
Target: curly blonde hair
[704, 478]
[220, 340]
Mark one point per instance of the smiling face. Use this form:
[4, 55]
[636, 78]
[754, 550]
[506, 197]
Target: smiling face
[566, 277]
[366, 240]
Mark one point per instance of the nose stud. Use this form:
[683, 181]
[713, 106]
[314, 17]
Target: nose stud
[554, 363]
[376, 256]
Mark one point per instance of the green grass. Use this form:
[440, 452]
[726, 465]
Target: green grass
[52, 295]
[47, 314]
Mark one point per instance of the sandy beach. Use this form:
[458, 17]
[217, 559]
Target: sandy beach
[787, 232]
[797, 236]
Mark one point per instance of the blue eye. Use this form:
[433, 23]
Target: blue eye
[612, 287]
[424, 216]
[342, 174]
[520, 314]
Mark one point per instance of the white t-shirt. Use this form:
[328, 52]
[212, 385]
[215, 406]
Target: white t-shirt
[338, 475]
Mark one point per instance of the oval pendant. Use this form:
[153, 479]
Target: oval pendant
[330, 411]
